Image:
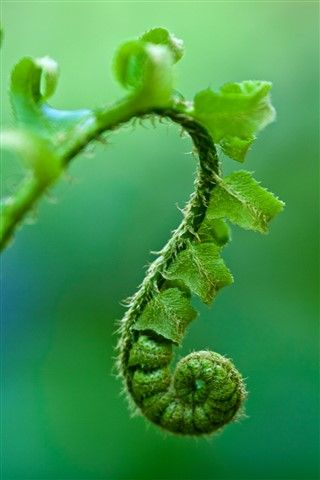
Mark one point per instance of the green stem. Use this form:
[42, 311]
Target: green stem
[194, 213]
[103, 120]
[205, 391]
[15, 209]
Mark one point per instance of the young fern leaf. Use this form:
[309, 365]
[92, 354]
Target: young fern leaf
[200, 267]
[240, 199]
[205, 391]
[235, 114]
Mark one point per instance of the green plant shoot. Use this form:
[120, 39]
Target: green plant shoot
[205, 392]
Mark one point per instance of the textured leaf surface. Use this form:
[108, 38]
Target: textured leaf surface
[202, 269]
[217, 230]
[244, 202]
[167, 314]
[234, 114]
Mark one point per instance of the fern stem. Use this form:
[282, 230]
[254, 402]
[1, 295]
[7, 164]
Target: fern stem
[14, 210]
[193, 215]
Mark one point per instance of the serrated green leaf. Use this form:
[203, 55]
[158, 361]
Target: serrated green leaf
[202, 269]
[235, 114]
[161, 36]
[32, 82]
[235, 147]
[244, 202]
[167, 314]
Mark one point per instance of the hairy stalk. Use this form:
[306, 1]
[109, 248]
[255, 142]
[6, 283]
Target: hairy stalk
[145, 355]
[17, 207]
[193, 215]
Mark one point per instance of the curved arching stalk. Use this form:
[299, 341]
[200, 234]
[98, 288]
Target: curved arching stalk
[206, 391]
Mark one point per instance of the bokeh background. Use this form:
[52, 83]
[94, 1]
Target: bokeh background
[65, 275]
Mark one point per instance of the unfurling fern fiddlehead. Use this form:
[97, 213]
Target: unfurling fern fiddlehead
[206, 391]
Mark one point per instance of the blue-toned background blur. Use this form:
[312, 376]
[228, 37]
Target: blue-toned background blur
[64, 276]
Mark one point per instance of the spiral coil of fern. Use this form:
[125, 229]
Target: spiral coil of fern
[206, 391]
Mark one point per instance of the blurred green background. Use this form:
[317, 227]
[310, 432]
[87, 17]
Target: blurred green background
[64, 277]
